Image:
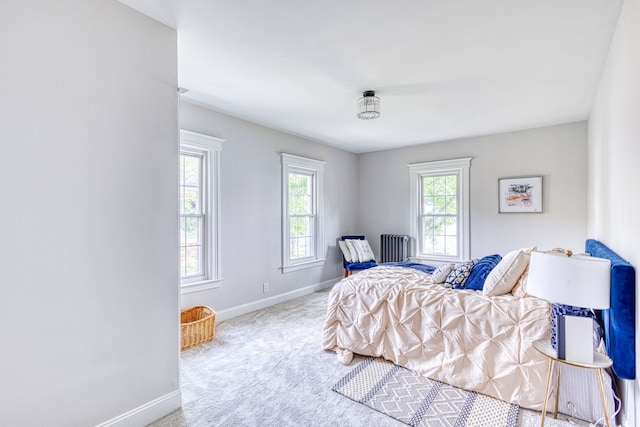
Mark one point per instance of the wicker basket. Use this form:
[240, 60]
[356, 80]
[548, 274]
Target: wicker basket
[198, 325]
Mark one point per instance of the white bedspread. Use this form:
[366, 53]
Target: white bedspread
[459, 337]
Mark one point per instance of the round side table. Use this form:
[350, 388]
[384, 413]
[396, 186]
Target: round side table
[600, 362]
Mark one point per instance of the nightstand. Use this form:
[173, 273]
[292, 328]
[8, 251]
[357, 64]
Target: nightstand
[600, 362]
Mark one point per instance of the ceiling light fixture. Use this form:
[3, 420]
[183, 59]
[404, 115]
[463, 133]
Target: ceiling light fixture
[368, 106]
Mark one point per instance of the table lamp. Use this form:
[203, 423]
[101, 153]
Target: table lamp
[579, 281]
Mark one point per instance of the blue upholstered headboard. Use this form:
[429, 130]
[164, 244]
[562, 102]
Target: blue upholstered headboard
[619, 320]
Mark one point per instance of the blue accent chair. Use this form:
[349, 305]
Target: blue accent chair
[350, 267]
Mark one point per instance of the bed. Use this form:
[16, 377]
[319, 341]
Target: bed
[462, 337]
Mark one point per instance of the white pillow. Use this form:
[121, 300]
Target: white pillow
[345, 251]
[441, 272]
[520, 289]
[505, 275]
[363, 250]
[367, 251]
[351, 244]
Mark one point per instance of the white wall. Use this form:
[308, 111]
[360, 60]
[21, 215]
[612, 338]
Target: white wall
[88, 178]
[614, 150]
[558, 153]
[251, 212]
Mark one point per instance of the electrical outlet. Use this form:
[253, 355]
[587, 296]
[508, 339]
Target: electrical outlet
[265, 287]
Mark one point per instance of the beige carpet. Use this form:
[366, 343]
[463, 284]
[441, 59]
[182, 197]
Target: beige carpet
[266, 368]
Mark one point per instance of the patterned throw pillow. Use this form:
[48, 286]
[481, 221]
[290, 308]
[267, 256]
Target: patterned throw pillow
[441, 272]
[459, 274]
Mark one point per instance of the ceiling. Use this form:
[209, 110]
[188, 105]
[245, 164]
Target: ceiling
[442, 69]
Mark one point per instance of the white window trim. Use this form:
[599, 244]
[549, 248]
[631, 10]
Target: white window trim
[291, 163]
[211, 147]
[455, 166]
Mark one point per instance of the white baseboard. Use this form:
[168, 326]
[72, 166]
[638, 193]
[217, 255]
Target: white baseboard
[164, 405]
[276, 299]
[147, 413]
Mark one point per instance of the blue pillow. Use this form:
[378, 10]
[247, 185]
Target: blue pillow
[480, 271]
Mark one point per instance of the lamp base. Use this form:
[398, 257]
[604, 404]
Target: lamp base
[575, 339]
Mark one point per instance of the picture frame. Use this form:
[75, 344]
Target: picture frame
[520, 195]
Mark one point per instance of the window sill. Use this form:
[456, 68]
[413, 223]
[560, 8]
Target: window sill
[434, 259]
[302, 266]
[200, 286]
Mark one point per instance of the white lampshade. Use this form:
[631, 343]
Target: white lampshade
[580, 281]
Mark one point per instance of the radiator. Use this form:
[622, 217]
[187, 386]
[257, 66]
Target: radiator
[394, 247]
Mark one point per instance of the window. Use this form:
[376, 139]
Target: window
[199, 211]
[191, 217]
[440, 209]
[301, 216]
[302, 203]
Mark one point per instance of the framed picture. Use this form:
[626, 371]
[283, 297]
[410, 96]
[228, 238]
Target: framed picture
[520, 194]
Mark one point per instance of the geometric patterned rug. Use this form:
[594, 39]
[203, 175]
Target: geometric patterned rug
[418, 401]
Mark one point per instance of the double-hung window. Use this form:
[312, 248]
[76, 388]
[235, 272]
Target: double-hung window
[440, 209]
[302, 207]
[199, 211]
